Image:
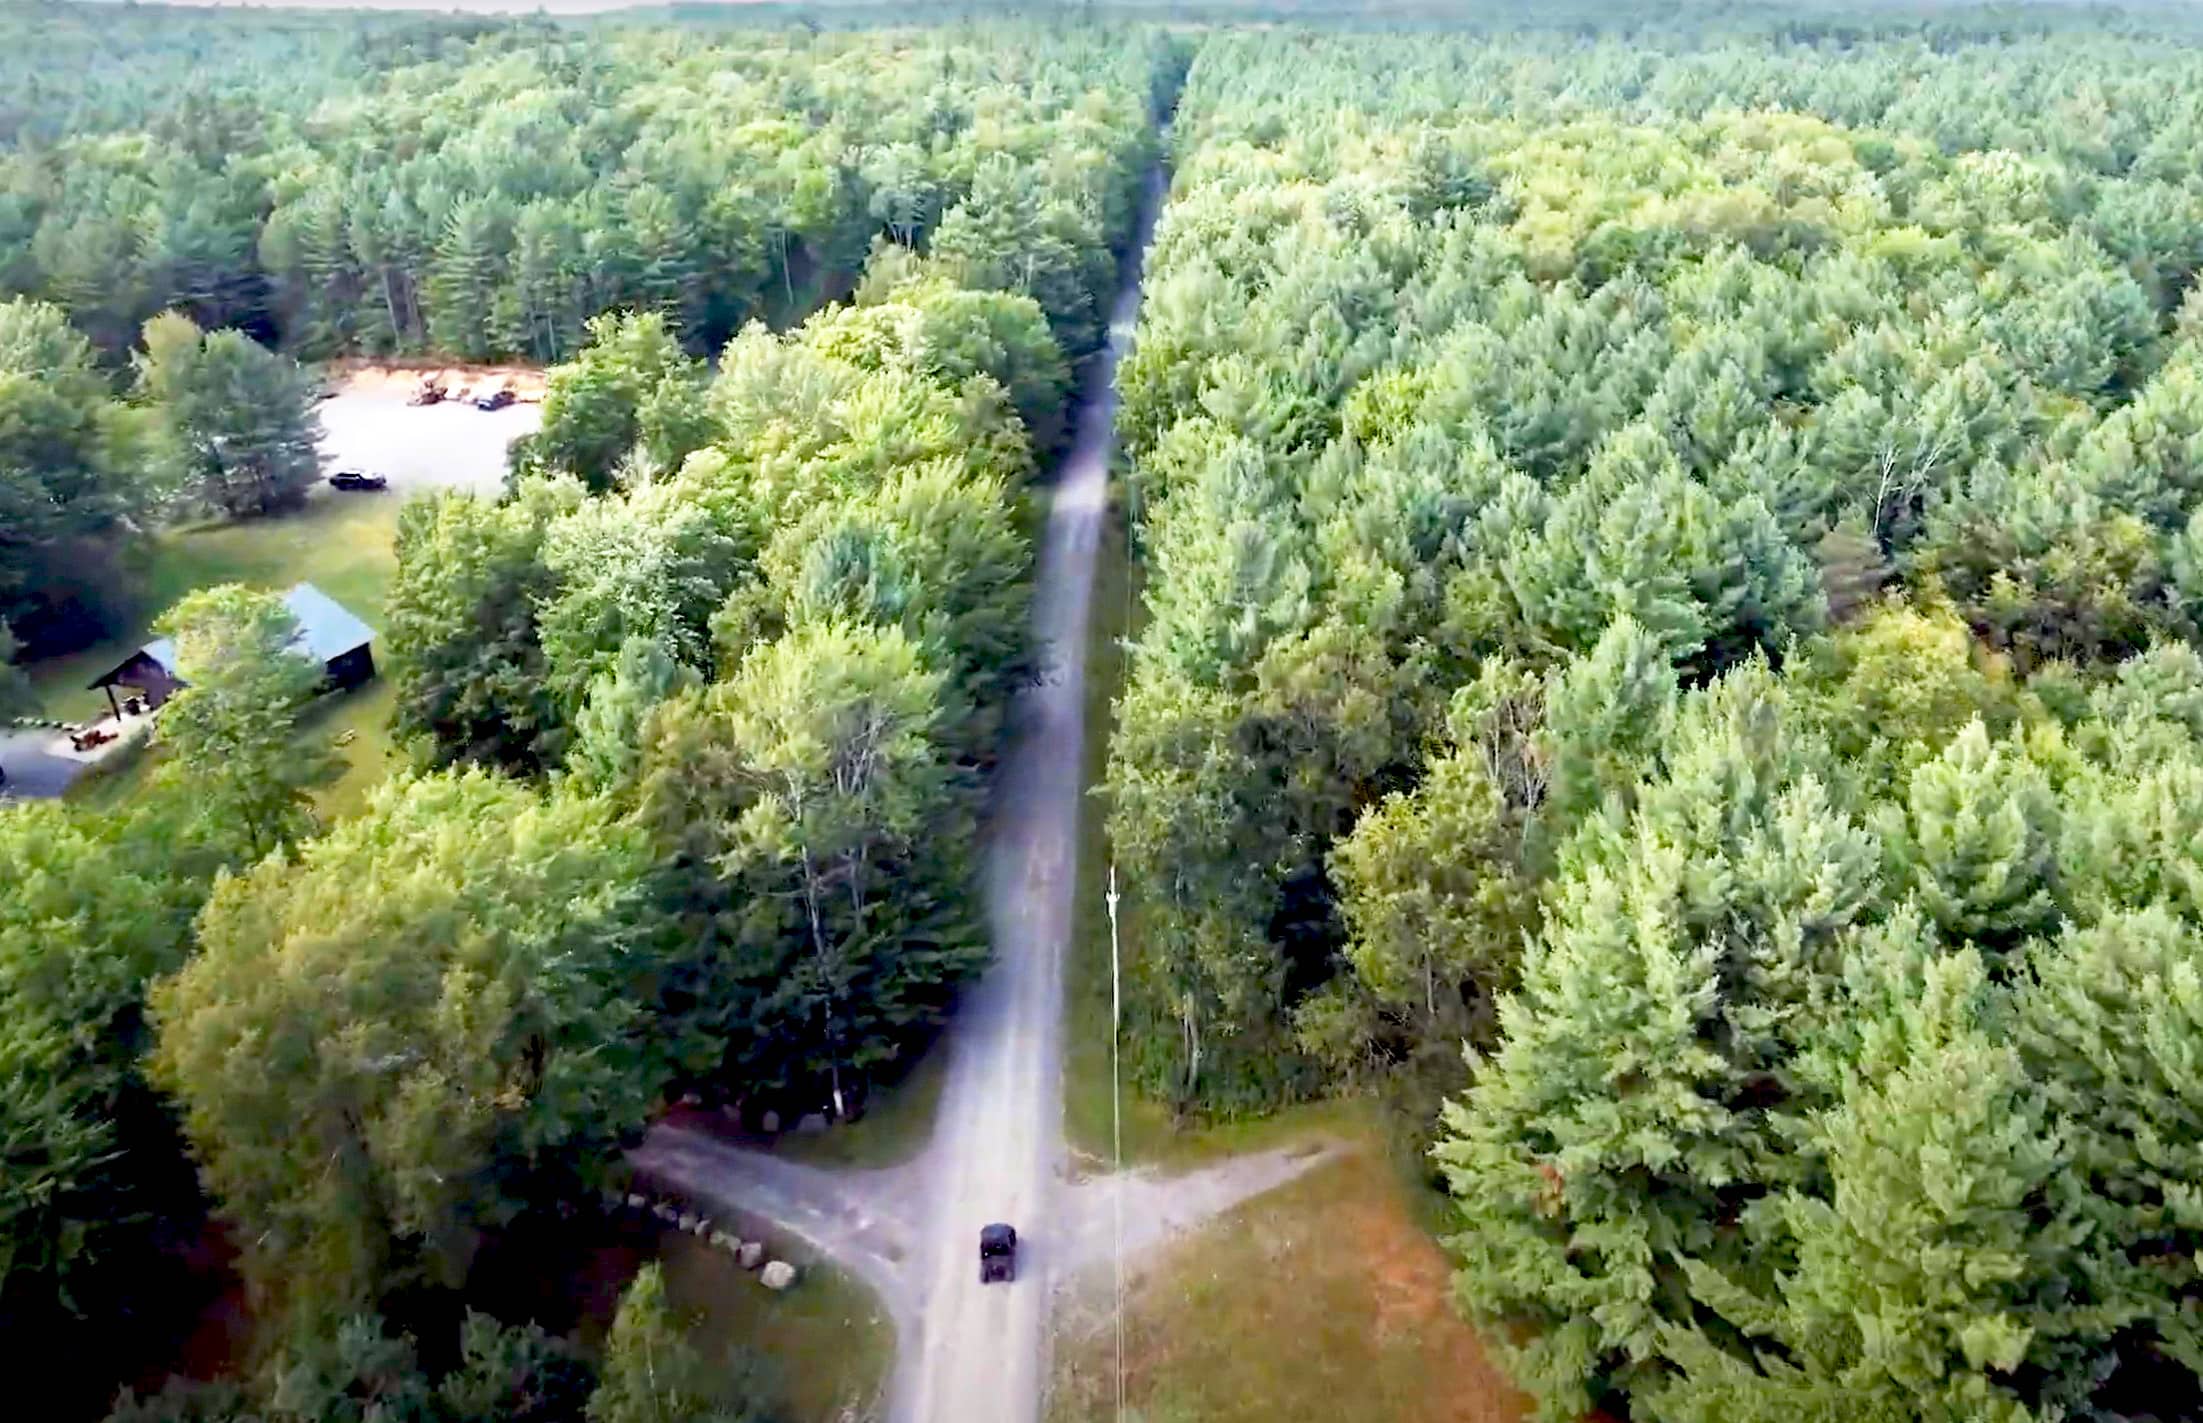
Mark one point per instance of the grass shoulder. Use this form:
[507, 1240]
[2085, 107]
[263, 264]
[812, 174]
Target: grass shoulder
[1152, 1134]
[1086, 997]
[827, 1340]
[1325, 1301]
[1328, 1300]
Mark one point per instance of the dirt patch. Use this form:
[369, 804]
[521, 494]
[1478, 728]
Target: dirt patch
[1321, 1302]
[358, 377]
[1408, 1277]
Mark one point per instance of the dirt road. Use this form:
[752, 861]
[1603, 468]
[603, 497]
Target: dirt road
[998, 1150]
[853, 1217]
[966, 1352]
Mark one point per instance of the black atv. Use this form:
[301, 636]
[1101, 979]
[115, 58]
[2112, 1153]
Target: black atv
[997, 1254]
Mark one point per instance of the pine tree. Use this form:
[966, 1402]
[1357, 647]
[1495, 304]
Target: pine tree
[652, 1373]
[662, 241]
[236, 430]
[1980, 840]
[466, 276]
[2110, 1020]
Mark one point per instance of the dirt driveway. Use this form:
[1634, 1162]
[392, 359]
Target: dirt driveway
[368, 426]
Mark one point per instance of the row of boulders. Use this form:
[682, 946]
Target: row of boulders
[767, 1121]
[749, 1254]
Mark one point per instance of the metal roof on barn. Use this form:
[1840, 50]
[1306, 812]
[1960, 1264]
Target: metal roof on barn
[326, 631]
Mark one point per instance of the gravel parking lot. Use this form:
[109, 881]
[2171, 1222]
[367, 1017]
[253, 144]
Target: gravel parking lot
[448, 446]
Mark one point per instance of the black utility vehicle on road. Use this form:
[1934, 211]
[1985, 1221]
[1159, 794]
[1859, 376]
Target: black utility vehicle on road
[997, 1254]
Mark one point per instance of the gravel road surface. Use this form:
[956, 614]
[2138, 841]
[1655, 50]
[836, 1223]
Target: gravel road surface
[998, 1150]
[449, 446]
[966, 1352]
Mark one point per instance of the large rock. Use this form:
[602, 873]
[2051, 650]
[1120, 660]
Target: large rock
[685, 1221]
[664, 1212]
[769, 1123]
[813, 1123]
[749, 1254]
[777, 1275]
[722, 1241]
[636, 1200]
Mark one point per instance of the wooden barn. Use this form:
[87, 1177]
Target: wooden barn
[327, 632]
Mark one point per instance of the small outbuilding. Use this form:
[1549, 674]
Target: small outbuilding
[328, 633]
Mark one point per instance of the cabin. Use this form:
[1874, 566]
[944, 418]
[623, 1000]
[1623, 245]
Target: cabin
[327, 632]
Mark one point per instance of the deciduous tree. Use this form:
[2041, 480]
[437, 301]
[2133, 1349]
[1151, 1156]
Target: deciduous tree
[414, 1029]
[232, 734]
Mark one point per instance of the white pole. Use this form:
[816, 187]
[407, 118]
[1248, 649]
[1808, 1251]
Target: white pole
[1116, 1124]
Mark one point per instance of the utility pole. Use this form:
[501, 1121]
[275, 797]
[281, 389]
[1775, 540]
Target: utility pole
[1116, 1123]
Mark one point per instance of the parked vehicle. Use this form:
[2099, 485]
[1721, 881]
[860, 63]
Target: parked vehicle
[497, 399]
[357, 479]
[997, 1254]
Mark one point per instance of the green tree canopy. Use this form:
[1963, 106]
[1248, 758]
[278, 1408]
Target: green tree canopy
[629, 391]
[813, 795]
[66, 449]
[414, 1028]
[235, 432]
[464, 643]
[231, 734]
[653, 1374]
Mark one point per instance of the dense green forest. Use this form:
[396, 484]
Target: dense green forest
[1670, 653]
[700, 711]
[478, 190]
[483, 188]
[1674, 561]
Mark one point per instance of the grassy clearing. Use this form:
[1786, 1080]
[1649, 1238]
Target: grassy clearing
[896, 1125]
[342, 544]
[829, 1342]
[1323, 1302]
[357, 722]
